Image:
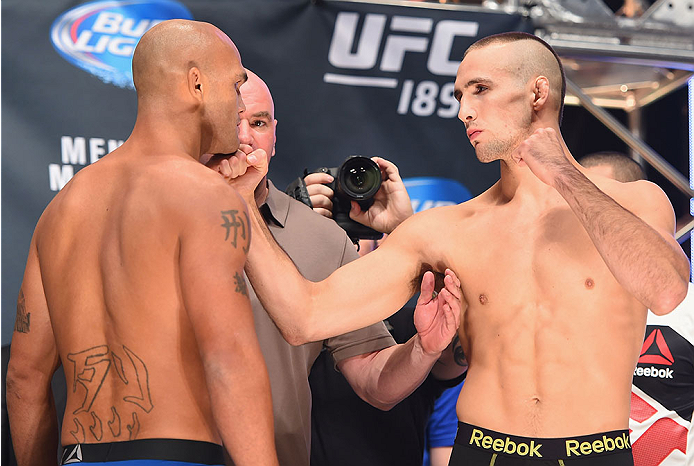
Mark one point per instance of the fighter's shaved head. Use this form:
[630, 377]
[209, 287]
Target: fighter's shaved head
[530, 57]
[173, 47]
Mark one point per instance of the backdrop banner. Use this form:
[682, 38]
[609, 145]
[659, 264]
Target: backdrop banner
[347, 78]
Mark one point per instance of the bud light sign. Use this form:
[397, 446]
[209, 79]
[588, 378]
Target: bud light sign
[426, 193]
[100, 36]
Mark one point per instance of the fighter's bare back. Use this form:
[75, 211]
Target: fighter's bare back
[128, 348]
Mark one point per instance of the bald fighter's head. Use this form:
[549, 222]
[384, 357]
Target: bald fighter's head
[190, 73]
[528, 57]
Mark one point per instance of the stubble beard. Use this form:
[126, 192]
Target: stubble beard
[502, 149]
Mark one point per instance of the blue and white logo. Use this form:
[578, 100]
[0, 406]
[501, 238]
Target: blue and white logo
[426, 193]
[100, 36]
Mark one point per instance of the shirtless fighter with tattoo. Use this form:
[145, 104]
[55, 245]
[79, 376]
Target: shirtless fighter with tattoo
[134, 284]
[557, 267]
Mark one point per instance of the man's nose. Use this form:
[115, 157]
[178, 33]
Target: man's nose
[245, 133]
[466, 113]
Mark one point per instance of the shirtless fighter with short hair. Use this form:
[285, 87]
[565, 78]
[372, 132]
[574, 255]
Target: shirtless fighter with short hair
[554, 264]
[134, 282]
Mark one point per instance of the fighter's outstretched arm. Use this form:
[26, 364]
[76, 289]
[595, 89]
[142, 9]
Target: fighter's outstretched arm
[639, 248]
[356, 295]
[384, 378]
[34, 359]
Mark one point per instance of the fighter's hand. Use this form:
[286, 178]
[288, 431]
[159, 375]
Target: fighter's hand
[321, 195]
[543, 153]
[244, 170]
[437, 317]
[391, 204]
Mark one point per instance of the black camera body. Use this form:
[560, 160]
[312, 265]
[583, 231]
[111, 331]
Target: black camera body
[357, 179]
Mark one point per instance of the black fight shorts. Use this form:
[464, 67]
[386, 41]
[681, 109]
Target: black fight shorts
[145, 452]
[475, 446]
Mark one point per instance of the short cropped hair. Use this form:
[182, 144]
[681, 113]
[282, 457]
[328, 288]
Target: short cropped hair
[624, 167]
[507, 37]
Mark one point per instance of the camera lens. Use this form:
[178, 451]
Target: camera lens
[360, 177]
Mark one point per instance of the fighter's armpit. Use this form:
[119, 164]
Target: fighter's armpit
[438, 277]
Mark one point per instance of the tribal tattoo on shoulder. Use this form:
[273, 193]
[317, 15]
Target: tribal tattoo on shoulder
[90, 369]
[21, 323]
[237, 228]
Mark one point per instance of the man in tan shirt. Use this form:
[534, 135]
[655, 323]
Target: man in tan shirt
[148, 313]
[557, 268]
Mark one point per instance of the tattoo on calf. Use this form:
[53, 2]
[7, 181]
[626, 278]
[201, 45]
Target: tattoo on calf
[90, 369]
[237, 227]
[240, 282]
[21, 324]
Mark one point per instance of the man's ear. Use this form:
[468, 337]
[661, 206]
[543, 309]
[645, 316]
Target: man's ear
[195, 83]
[540, 93]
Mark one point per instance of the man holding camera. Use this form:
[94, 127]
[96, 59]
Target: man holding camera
[381, 372]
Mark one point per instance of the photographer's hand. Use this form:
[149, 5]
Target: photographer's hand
[321, 195]
[391, 203]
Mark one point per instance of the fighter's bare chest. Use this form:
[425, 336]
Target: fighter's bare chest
[521, 257]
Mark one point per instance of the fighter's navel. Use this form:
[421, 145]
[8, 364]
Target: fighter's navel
[589, 283]
[483, 299]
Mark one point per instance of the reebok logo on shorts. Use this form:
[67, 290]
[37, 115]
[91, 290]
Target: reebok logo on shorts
[602, 445]
[555, 448]
[505, 445]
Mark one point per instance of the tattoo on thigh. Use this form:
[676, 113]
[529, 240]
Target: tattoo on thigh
[240, 282]
[90, 369]
[237, 228]
[21, 324]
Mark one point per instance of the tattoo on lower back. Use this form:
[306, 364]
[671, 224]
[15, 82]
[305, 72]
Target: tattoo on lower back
[240, 282]
[458, 354]
[90, 371]
[21, 324]
[237, 228]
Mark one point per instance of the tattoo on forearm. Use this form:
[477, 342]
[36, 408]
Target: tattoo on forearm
[90, 369]
[458, 354]
[240, 282]
[237, 227]
[21, 324]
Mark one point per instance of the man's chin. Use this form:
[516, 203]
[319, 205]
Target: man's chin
[212, 160]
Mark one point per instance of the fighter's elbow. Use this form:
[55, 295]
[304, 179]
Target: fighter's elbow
[670, 298]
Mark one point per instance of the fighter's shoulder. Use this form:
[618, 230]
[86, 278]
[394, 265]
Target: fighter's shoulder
[192, 186]
[643, 198]
[641, 194]
[443, 218]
